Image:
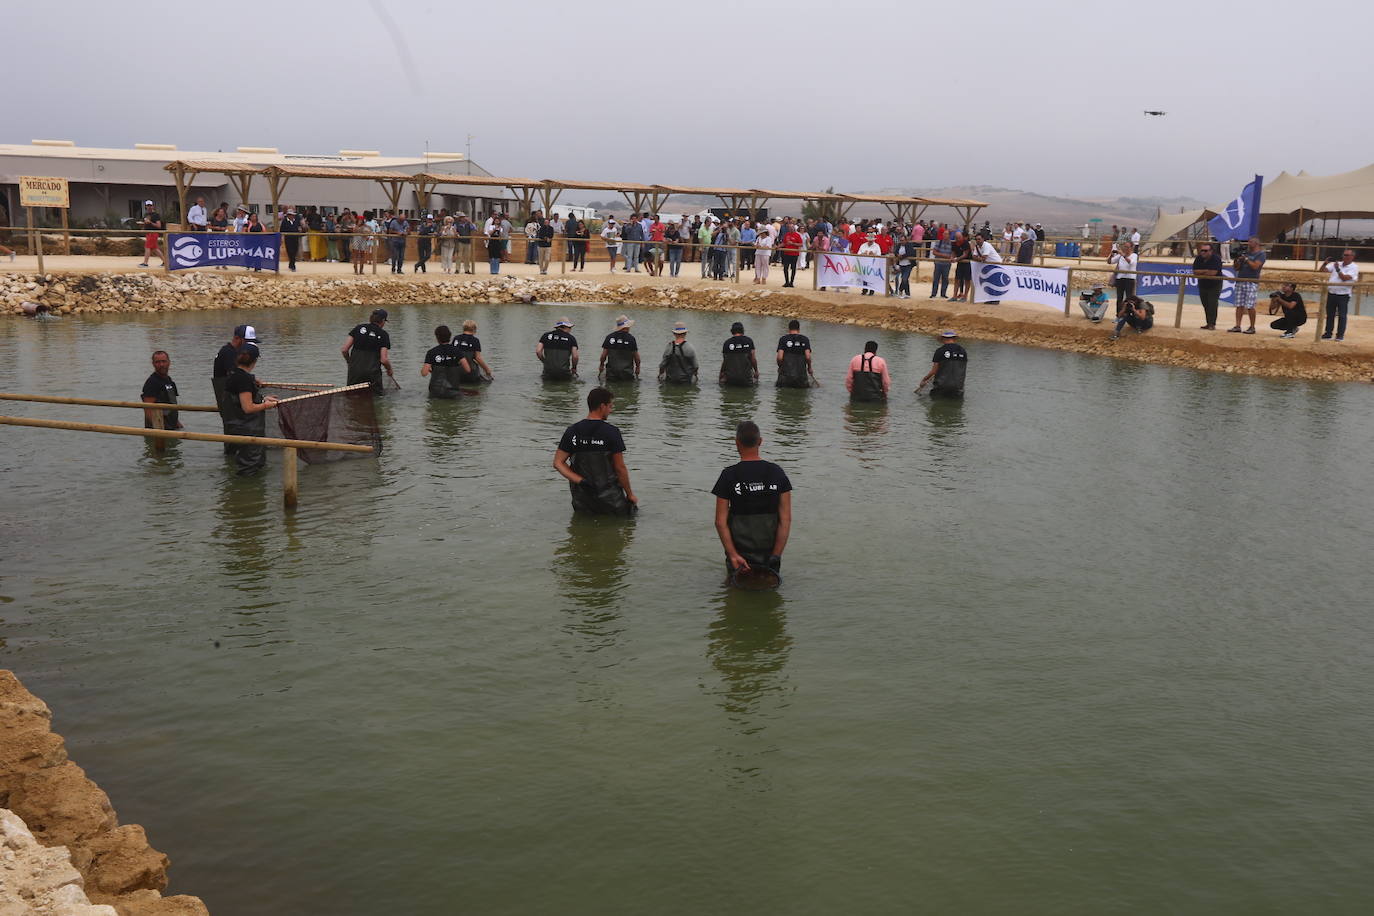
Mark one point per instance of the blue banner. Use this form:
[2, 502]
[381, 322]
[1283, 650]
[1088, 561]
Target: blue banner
[257, 250]
[1240, 218]
[1168, 286]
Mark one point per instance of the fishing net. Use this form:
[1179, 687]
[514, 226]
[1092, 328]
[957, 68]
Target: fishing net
[347, 415]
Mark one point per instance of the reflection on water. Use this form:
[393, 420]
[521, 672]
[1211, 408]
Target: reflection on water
[737, 404]
[865, 425]
[748, 645]
[449, 422]
[590, 573]
[792, 410]
[678, 403]
[626, 399]
[247, 522]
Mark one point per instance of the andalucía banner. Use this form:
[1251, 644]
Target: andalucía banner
[852, 270]
[1045, 286]
[213, 249]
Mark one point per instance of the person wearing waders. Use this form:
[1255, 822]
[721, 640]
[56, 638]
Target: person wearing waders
[219, 373]
[557, 350]
[753, 506]
[591, 456]
[739, 362]
[472, 369]
[160, 389]
[947, 368]
[620, 353]
[367, 350]
[867, 379]
[442, 365]
[794, 358]
[679, 363]
[245, 408]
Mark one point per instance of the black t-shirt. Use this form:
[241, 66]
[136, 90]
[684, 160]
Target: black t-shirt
[370, 337]
[953, 362]
[224, 361]
[152, 220]
[545, 235]
[160, 388]
[444, 355]
[620, 340]
[591, 436]
[1211, 262]
[788, 343]
[467, 344]
[558, 340]
[752, 487]
[239, 381]
[1292, 304]
[739, 343]
[959, 249]
[949, 351]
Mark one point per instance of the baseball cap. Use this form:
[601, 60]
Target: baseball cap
[679, 328]
[948, 333]
[562, 323]
[623, 322]
[147, 203]
[378, 314]
[250, 349]
[247, 332]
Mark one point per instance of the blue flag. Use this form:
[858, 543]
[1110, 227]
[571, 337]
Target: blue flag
[1240, 218]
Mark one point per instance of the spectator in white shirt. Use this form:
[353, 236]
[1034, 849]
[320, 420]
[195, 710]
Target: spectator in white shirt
[196, 219]
[1343, 273]
[1125, 262]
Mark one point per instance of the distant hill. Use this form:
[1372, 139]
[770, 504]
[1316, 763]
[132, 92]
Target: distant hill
[1057, 214]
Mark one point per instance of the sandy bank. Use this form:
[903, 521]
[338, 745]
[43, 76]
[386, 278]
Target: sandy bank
[97, 291]
[62, 847]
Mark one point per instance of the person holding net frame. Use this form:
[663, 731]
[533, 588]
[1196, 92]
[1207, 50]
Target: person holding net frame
[244, 410]
[367, 350]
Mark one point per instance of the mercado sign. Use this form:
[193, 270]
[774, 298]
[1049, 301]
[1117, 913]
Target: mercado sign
[43, 192]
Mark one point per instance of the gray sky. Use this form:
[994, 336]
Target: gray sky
[795, 96]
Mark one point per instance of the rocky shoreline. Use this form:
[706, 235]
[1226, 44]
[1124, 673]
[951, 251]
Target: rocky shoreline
[102, 293]
[62, 849]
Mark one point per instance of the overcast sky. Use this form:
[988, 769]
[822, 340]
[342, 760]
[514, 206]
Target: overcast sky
[794, 96]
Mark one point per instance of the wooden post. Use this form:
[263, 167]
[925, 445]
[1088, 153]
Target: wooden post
[1068, 295]
[159, 419]
[563, 263]
[35, 240]
[288, 477]
[1182, 291]
[815, 271]
[66, 234]
[1321, 314]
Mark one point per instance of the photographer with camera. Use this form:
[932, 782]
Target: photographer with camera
[1093, 304]
[1136, 312]
[1125, 260]
[1248, 263]
[1288, 301]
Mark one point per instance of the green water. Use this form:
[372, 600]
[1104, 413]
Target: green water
[1090, 642]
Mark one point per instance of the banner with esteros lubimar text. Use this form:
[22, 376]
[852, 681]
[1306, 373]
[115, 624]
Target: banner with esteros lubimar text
[257, 250]
[852, 270]
[1045, 286]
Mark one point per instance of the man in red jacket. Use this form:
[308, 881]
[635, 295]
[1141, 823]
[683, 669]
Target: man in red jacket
[790, 248]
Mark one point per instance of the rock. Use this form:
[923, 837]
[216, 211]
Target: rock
[61, 806]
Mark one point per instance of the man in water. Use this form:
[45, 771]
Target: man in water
[442, 365]
[591, 457]
[867, 379]
[557, 350]
[679, 363]
[794, 358]
[472, 369]
[739, 363]
[753, 506]
[160, 389]
[367, 350]
[947, 368]
[620, 353]
[223, 366]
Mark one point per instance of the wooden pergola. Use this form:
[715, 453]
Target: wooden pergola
[241, 176]
[524, 189]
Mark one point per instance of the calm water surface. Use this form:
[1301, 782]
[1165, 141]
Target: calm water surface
[1090, 642]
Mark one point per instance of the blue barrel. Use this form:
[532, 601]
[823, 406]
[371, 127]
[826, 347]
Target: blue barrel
[1075, 249]
[1059, 249]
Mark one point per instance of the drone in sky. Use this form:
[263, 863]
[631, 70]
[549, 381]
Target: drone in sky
[1156, 114]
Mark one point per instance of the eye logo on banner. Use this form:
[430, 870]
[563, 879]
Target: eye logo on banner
[995, 281]
[187, 252]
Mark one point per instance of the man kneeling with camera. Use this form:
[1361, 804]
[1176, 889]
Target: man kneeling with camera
[1136, 312]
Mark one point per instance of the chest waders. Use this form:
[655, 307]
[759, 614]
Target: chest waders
[754, 536]
[677, 371]
[620, 365]
[949, 378]
[736, 368]
[444, 379]
[557, 365]
[601, 493]
[868, 385]
[474, 374]
[792, 372]
[365, 366]
[248, 458]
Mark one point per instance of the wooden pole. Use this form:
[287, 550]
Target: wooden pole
[93, 402]
[159, 420]
[179, 176]
[1178, 311]
[289, 477]
[1068, 295]
[66, 234]
[35, 240]
[183, 434]
[1321, 314]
